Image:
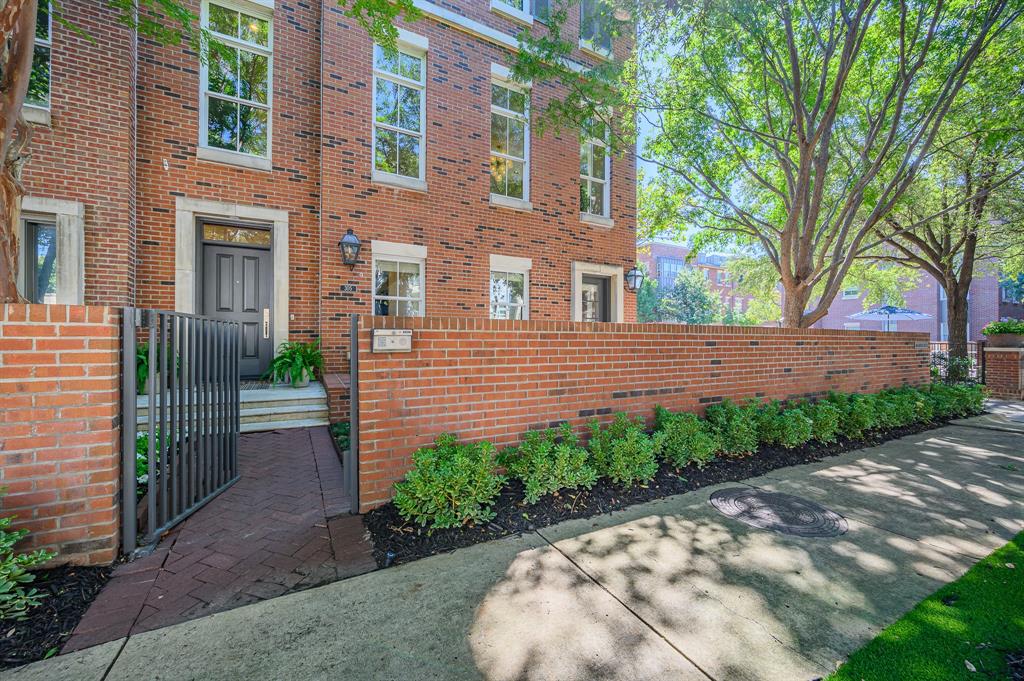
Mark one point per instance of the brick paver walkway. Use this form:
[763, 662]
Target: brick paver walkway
[282, 527]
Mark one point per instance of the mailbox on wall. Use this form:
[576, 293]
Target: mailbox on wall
[392, 340]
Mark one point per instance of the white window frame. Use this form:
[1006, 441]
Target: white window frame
[851, 293]
[522, 14]
[507, 264]
[415, 46]
[206, 152]
[40, 113]
[68, 217]
[396, 252]
[588, 45]
[605, 218]
[501, 76]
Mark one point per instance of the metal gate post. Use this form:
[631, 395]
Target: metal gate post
[129, 427]
[350, 464]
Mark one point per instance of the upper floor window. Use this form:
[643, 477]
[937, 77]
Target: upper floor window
[542, 9]
[236, 81]
[398, 119]
[595, 169]
[39, 80]
[510, 141]
[668, 271]
[594, 33]
[851, 293]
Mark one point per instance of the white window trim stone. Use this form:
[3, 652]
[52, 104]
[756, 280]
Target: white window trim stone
[390, 250]
[514, 13]
[186, 211]
[513, 265]
[419, 46]
[264, 9]
[615, 288]
[69, 218]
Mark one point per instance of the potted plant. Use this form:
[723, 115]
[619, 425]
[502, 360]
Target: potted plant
[1005, 334]
[296, 363]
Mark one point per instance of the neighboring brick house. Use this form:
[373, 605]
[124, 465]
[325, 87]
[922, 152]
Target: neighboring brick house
[987, 302]
[224, 188]
[665, 259]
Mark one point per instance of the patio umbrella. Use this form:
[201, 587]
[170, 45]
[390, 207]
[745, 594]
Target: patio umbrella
[889, 313]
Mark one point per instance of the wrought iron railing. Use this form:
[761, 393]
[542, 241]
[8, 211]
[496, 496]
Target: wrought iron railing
[945, 368]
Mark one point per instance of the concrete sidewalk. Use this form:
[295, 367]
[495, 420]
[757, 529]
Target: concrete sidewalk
[669, 589]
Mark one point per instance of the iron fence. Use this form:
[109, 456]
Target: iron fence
[948, 369]
[185, 452]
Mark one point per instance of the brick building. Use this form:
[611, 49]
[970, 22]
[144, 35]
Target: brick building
[224, 187]
[664, 260]
[987, 302]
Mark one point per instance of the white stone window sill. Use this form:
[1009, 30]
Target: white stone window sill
[597, 220]
[510, 202]
[233, 158]
[399, 181]
[511, 12]
[595, 51]
[37, 115]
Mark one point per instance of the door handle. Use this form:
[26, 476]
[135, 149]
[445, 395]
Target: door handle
[266, 323]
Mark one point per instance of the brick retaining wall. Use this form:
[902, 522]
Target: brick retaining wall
[1004, 372]
[59, 427]
[495, 380]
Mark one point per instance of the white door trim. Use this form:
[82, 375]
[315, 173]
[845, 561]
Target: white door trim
[615, 286]
[186, 211]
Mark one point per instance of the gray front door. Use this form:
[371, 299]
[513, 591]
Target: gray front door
[238, 285]
[596, 306]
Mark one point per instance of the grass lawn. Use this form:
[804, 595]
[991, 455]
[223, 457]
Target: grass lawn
[977, 619]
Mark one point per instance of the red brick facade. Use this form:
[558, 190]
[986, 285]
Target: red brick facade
[1004, 372]
[130, 153]
[59, 411]
[495, 380]
[658, 256]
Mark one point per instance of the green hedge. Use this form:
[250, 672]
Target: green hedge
[454, 483]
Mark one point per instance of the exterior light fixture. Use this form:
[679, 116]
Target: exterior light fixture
[634, 279]
[350, 246]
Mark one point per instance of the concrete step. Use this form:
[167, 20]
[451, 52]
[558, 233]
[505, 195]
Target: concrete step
[282, 425]
[269, 408]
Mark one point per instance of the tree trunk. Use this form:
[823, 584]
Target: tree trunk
[956, 320]
[18, 25]
[794, 303]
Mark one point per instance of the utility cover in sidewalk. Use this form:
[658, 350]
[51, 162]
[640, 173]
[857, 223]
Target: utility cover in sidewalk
[778, 512]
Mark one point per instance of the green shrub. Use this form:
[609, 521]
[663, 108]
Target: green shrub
[767, 420]
[1012, 326]
[623, 452]
[15, 595]
[735, 427]
[858, 413]
[895, 408]
[450, 484]
[796, 428]
[548, 461]
[688, 439]
[954, 401]
[825, 417]
[342, 436]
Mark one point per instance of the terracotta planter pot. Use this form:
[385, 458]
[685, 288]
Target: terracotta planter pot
[1005, 340]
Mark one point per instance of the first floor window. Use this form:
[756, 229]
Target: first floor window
[397, 287]
[594, 171]
[398, 113]
[39, 80]
[508, 295]
[40, 258]
[236, 80]
[510, 130]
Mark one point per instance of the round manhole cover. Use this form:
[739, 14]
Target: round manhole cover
[778, 512]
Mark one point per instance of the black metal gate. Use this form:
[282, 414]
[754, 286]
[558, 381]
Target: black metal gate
[185, 451]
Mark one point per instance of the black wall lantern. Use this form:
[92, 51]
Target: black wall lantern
[634, 279]
[350, 246]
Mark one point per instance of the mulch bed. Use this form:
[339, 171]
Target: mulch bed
[396, 540]
[68, 592]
